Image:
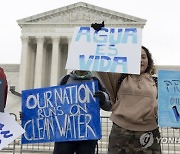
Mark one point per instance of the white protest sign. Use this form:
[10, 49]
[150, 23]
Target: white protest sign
[9, 129]
[107, 50]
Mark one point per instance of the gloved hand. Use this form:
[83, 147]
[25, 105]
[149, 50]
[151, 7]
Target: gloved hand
[100, 95]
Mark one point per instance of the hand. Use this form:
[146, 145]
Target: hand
[100, 95]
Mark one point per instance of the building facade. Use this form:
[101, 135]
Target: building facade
[45, 41]
[46, 38]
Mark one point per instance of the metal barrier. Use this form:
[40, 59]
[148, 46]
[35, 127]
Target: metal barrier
[170, 142]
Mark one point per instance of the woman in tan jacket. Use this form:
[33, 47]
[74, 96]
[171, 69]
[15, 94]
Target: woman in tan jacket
[134, 110]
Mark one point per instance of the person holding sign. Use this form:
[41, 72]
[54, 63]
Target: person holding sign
[82, 146]
[3, 89]
[134, 109]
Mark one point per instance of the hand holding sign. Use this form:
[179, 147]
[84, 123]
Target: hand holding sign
[100, 95]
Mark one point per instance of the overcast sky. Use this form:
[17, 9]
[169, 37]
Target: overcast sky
[161, 33]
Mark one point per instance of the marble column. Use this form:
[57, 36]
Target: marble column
[55, 63]
[23, 73]
[38, 79]
[69, 39]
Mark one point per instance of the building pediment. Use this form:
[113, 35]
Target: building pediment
[82, 13]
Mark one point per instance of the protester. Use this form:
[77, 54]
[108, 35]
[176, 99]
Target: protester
[85, 146]
[3, 76]
[134, 109]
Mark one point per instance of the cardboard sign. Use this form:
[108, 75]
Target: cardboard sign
[61, 113]
[107, 50]
[2, 92]
[169, 98]
[9, 129]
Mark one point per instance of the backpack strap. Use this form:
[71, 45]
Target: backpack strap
[64, 79]
[99, 84]
[155, 80]
[120, 80]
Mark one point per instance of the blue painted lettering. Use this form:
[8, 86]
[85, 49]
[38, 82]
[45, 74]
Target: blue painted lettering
[123, 35]
[84, 31]
[132, 32]
[4, 132]
[112, 48]
[100, 48]
[100, 38]
[172, 85]
[112, 36]
[103, 63]
[176, 113]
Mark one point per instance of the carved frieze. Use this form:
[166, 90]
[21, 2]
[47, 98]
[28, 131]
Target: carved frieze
[79, 14]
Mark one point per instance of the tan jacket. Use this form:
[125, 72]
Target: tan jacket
[135, 107]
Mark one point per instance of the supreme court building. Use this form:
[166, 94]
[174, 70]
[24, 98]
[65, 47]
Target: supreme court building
[45, 41]
[46, 38]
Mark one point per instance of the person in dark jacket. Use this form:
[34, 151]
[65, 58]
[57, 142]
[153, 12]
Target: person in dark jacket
[5, 89]
[85, 146]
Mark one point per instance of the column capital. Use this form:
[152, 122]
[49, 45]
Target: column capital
[40, 39]
[56, 39]
[25, 39]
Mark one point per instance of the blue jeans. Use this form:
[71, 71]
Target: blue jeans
[77, 147]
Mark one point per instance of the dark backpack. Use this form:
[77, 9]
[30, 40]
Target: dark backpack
[66, 77]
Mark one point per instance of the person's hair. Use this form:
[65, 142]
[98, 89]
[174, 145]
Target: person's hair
[150, 68]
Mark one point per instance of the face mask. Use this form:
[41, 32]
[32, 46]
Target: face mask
[82, 76]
